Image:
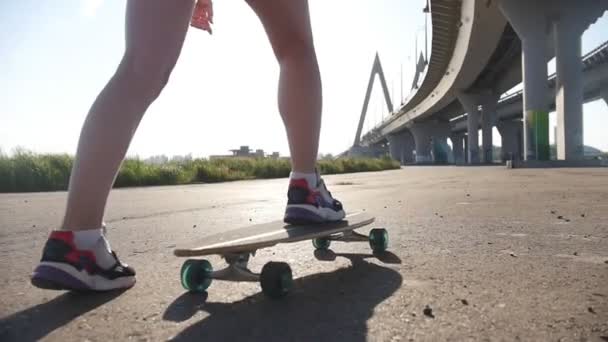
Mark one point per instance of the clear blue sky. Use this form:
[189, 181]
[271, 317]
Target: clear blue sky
[57, 55]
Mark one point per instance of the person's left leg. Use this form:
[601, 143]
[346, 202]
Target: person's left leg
[287, 24]
[78, 256]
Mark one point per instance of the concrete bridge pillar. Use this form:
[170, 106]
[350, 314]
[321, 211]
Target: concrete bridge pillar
[458, 148]
[510, 133]
[529, 20]
[470, 103]
[431, 141]
[570, 21]
[466, 149]
[441, 150]
[489, 101]
[379, 150]
[407, 153]
[401, 146]
[422, 132]
[394, 146]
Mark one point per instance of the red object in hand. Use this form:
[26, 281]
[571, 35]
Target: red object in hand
[202, 18]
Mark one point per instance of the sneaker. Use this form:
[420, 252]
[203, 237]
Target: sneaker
[311, 205]
[65, 267]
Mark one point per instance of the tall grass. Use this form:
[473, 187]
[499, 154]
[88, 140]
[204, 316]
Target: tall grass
[27, 171]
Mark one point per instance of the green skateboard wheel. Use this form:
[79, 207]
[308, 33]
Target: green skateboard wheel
[378, 239]
[196, 275]
[276, 279]
[321, 243]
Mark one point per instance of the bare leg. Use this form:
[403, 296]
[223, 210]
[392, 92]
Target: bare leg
[287, 24]
[155, 31]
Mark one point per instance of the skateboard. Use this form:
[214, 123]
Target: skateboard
[237, 246]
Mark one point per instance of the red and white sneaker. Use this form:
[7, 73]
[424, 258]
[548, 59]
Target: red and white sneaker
[307, 205]
[65, 267]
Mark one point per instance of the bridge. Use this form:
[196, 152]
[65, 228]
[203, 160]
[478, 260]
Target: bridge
[480, 50]
[509, 110]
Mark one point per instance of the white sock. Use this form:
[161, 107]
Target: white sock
[94, 240]
[85, 239]
[311, 178]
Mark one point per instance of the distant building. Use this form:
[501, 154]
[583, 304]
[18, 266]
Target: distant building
[181, 159]
[157, 160]
[245, 152]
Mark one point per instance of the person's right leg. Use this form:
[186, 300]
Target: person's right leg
[287, 25]
[79, 257]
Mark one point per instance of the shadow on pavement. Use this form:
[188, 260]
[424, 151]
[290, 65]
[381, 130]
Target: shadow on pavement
[331, 306]
[35, 323]
[329, 255]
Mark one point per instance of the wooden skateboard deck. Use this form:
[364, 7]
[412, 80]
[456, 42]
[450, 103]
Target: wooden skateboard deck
[252, 238]
[237, 245]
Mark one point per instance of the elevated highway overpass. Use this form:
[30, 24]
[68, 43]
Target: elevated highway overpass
[509, 109]
[475, 58]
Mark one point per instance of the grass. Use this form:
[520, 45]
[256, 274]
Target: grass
[25, 171]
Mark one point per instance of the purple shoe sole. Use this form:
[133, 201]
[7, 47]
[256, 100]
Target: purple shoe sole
[301, 216]
[48, 277]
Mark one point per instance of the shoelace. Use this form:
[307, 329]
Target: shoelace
[118, 263]
[321, 182]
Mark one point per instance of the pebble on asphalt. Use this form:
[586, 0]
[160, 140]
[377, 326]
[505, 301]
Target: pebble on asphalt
[464, 302]
[428, 312]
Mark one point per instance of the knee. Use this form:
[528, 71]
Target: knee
[146, 77]
[297, 48]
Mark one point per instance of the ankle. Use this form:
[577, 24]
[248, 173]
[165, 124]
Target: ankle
[312, 178]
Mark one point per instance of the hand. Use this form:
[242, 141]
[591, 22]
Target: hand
[202, 18]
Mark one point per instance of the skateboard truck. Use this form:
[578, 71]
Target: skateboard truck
[378, 239]
[237, 269]
[276, 277]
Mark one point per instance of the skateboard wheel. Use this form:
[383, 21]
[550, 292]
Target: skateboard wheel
[378, 239]
[276, 279]
[321, 243]
[196, 275]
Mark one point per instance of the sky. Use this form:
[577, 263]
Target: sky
[56, 56]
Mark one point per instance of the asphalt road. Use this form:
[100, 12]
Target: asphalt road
[495, 254]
